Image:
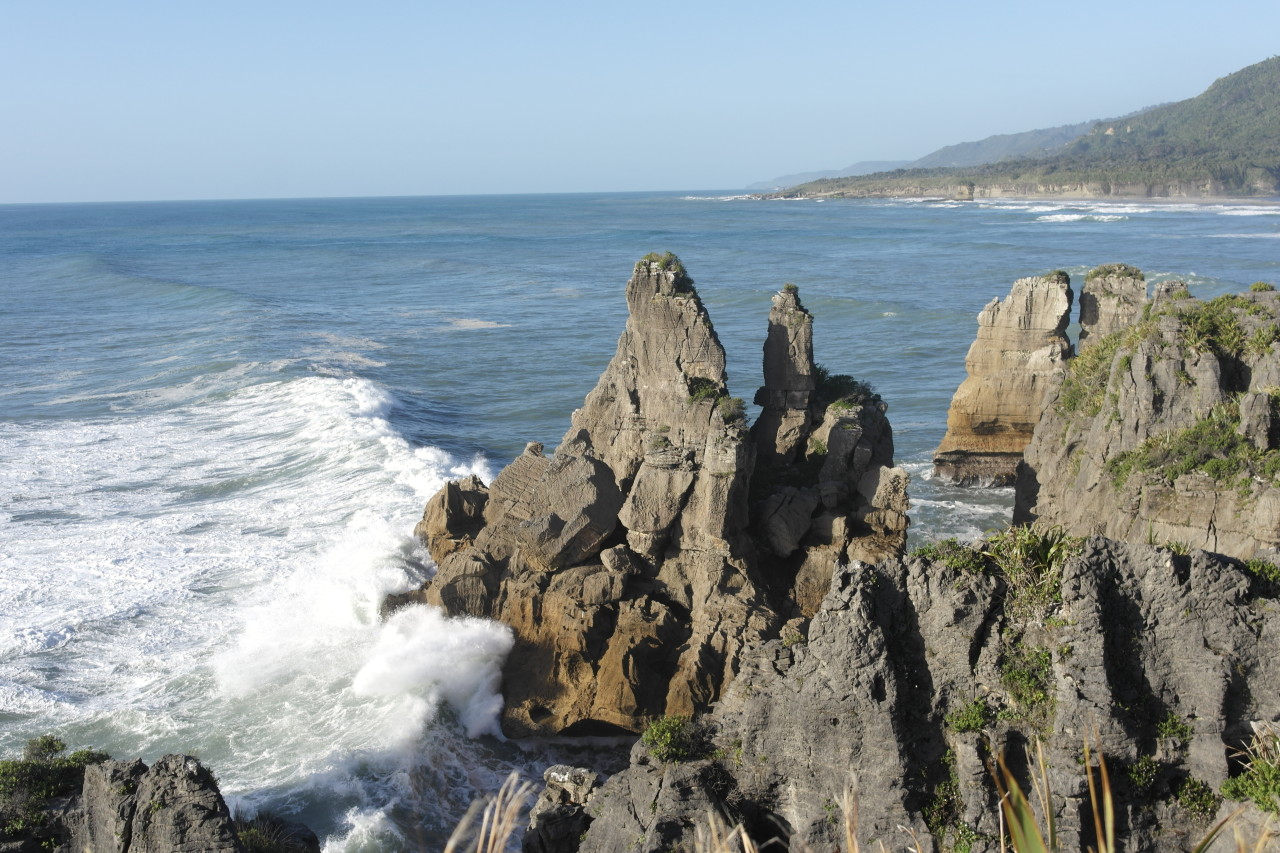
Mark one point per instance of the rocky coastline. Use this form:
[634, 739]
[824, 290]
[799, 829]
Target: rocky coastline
[742, 599]
[821, 651]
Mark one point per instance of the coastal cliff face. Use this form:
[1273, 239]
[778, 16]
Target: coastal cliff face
[624, 562]
[917, 671]
[1164, 430]
[1021, 349]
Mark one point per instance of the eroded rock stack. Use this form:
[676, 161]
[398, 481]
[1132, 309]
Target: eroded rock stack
[626, 562]
[1111, 300]
[1021, 349]
[787, 397]
[1165, 430]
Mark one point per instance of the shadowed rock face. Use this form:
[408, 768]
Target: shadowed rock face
[629, 562]
[1020, 349]
[787, 396]
[1167, 658]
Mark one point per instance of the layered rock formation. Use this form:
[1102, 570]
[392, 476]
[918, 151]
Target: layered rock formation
[624, 562]
[915, 671]
[1021, 349]
[786, 399]
[1112, 299]
[1164, 430]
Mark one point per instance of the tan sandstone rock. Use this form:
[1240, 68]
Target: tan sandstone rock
[1021, 349]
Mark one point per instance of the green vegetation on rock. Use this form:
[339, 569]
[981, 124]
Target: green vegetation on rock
[954, 554]
[1213, 445]
[1222, 141]
[1260, 781]
[27, 784]
[970, 718]
[1030, 559]
[674, 739]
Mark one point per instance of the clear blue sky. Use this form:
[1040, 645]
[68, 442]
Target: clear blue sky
[177, 100]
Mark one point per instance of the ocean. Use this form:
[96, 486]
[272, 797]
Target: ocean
[219, 422]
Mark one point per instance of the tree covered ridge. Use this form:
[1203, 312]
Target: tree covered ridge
[1225, 140]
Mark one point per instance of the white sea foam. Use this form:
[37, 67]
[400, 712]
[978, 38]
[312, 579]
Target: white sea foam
[1080, 217]
[469, 323]
[1249, 211]
[208, 579]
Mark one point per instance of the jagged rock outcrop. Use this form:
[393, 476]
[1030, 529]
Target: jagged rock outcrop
[173, 806]
[1020, 350]
[627, 562]
[787, 397]
[620, 561]
[1163, 431]
[1112, 299]
[558, 820]
[915, 671]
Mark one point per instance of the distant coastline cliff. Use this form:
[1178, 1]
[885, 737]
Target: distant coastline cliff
[1220, 143]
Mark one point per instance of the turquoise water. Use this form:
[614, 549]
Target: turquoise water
[220, 420]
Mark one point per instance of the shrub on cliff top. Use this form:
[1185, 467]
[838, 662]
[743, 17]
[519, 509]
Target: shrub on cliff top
[1115, 269]
[1260, 781]
[832, 388]
[1212, 445]
[954, 554]
[1030, 559]
[1262, 287]
[674, 739]
[27, 784]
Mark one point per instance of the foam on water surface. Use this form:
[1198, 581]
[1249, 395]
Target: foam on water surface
[207, 579]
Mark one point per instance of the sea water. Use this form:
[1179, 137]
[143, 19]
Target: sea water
[219, 422]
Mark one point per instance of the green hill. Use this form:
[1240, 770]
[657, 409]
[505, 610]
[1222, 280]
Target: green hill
[1224, 142]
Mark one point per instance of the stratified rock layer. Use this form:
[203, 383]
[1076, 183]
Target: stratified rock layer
[1020, 350]
[1111, 300]
[787, 396]
[1164, 431]
[626, 562]
[1162, 658]
[621, 560]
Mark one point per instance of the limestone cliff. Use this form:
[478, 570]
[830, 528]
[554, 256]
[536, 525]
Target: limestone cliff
[787, 398]
[1165, 430]
[1112, 300]
[916, 670]
[1021, 349]
[627, 562]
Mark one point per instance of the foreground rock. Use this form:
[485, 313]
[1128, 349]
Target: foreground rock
[625, 562]
[1166, 430]
[173, 806]
[1021, 349]
[914, 671]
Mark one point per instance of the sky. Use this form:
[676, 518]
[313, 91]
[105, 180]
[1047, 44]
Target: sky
[133, 100]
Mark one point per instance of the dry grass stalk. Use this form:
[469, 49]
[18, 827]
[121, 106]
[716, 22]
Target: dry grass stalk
[499, 817]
